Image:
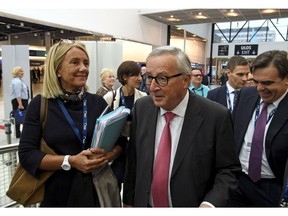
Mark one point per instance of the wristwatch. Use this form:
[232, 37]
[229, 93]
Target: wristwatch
[66, 165]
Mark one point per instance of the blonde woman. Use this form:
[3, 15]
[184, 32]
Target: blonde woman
[107, 78]
[19, 94]
[71, 116]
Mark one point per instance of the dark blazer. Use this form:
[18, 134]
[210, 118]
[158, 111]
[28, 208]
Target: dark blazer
[218, 94]
[205, 164]
[276, 142]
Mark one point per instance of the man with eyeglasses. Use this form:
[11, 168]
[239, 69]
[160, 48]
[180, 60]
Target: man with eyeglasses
[196, 83]
[261, 186]
[196, 165]
[237, 71]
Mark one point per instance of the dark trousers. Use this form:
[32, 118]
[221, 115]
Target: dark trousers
[15, 107]
[264, 193]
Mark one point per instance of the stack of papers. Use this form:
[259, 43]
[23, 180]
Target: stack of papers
[108, 128]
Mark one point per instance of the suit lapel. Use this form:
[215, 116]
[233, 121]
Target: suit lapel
[248, 104]
[279, 119]
[188, 131]
[222, 96]
[151, 125]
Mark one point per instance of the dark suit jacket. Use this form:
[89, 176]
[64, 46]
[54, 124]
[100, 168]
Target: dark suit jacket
[276, 142]
[218, 95]
[205, 164]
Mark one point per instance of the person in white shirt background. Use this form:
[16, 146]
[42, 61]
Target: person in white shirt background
[19, 94]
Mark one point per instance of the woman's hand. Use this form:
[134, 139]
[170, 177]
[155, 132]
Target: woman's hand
[88, 160]
[114, 153]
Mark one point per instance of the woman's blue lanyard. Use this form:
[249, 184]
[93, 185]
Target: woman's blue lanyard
[71, 122]
[229, 101]
[123, 99]
[257, 113]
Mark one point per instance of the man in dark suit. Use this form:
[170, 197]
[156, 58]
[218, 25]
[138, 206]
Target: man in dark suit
[237, 72]
[270, 74]
[203, 164]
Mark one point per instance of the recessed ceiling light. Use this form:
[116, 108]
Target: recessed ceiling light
[269, 11]
[200, 16]
[173, 19]
[232, 13]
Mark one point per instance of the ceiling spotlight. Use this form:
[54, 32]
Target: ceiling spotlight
[232, 13]
[269, 11]
[173, 19]
[200, 16]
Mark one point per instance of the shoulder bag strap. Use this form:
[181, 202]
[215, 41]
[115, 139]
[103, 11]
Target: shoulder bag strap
[43, 113]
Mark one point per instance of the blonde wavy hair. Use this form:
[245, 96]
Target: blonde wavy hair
[104, 73]
[15, 71]
[54, 59]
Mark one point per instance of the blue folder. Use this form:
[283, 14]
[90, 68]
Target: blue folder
[108, 128]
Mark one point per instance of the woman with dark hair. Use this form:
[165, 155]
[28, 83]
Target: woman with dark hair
[129, 75]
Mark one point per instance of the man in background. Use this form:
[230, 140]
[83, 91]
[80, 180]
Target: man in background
[237, 71]
[196, 83]
[143, 87]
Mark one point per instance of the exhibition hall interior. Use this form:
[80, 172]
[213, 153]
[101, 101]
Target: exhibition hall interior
[225, 32]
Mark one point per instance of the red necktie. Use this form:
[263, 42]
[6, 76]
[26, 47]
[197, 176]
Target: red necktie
[160, 181]
[255, 160]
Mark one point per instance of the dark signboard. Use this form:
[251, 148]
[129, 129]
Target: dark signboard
[223, 50]
[246, 49]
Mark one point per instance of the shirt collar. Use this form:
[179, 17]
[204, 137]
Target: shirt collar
[277, 102]
[197, 89]
[229, 87]
[180, 109]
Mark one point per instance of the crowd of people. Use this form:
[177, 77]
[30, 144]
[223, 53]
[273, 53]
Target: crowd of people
[183, 145]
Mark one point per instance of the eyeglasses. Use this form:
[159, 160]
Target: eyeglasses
[197, 75]
[161, 80]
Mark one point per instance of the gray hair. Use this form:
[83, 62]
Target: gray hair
[182, 60]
